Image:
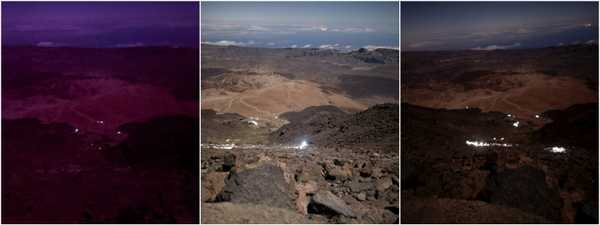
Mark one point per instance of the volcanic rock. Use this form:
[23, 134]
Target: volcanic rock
[324, 202]
[263, 185]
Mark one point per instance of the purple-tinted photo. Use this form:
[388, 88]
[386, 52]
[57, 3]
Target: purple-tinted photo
[100, 112]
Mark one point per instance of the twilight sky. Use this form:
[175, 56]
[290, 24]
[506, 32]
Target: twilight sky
[100, 24]
[496, 25]
[338, 25]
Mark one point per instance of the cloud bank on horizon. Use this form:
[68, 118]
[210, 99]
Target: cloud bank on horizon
[430, 26]
[329, 25]
[100, 24]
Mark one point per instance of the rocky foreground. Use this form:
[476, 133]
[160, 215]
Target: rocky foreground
[545, 175]
[335, 181]
[299, 186]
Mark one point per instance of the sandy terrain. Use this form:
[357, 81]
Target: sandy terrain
[266, 96]
[523, 95]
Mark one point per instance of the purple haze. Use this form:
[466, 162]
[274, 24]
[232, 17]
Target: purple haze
[100, 24]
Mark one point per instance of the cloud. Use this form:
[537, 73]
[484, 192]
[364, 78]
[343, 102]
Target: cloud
[241, 29]
[373, 47]
[258, 28]
[348, 46]
[329, 46]
[307, 46]
[294, 46]
[590, 42]
[496, 47]
[46, 44]
[271, 43]
[225, 43]
[353, 30]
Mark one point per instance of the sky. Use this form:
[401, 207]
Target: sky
[100, 24]
[430, 26]
[329, 25]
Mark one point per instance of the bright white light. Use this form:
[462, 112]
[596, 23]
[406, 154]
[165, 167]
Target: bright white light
[119, 132]
[486, 144]
[516, 124]
[303, 145]
[100, 122]
[502, 139]
[76, 130]
[556, 149]
[537, 116]
[509, 115]
[494, 138]
[466, 107]
[477, 143]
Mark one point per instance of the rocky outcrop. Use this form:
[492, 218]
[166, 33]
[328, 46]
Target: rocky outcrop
[327, 186]
[264, 185]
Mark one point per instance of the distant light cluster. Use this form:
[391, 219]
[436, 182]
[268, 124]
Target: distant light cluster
[556, 149]
[487, 144]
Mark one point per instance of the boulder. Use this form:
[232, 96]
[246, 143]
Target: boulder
[325, 202]
[264, 185]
